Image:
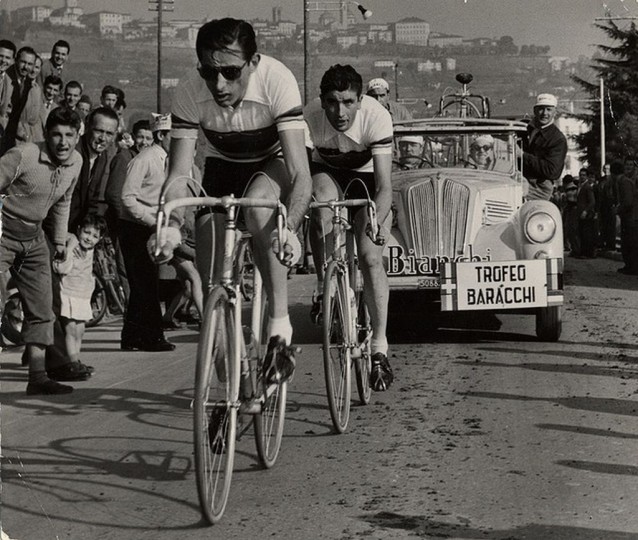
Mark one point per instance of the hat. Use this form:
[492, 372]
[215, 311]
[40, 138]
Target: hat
[483, 139]
[412, 139]
[378, 84]
[160, 122]
[546, 100]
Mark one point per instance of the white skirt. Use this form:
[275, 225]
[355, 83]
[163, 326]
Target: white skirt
[78, 309]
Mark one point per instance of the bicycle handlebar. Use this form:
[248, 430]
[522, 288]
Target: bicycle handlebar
[350, 203]
[165, 210]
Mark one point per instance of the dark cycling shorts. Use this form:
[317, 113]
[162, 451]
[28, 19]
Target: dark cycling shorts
[222, 177]
[343, 178]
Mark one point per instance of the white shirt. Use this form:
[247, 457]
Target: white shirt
[369, 134]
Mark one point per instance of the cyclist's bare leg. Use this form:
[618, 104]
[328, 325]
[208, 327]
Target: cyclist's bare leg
[273, 185]
[324, 189]
[209, 235]
[376, 290]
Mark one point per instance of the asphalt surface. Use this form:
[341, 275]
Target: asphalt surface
[486, 433]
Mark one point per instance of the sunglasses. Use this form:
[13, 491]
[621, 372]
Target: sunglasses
[230, 73]
[485, 147]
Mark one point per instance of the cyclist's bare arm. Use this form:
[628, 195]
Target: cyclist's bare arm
[383, 180]
[296, 159]
[180, 164]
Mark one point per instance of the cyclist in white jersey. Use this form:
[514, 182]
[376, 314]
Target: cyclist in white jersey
[351, 138]
[249, 109]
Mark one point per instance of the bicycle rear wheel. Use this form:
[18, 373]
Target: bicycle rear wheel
[336, 350]
[363, 363]
[215, 406]
[269, 423]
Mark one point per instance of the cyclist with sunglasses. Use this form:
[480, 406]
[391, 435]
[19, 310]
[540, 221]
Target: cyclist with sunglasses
[248, 107]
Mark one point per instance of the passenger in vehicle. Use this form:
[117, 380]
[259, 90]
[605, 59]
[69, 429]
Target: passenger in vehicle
[482, 153]
[411, 152]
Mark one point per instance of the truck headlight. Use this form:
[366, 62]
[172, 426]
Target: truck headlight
[540, 228]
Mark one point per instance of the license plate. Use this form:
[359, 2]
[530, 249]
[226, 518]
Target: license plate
[428, 283]
[485, 285]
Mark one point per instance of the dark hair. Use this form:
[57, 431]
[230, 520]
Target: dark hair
[6, 44]
[219, 34]
[73, 84]
[616, 167]
[108, 89]
[141, 124]
[341, 78]
[93, 220]
[28, 50]
[61, 43]
[63, 116]
[86, 99]
[52, 79]
[104, 111]
[585, 170]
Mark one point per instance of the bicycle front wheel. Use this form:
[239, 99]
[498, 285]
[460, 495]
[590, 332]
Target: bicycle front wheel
[215, 406]
[336, 340]
[99, 303]
[269, 423]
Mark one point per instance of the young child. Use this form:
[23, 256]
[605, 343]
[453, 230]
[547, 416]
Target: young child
[77, 281]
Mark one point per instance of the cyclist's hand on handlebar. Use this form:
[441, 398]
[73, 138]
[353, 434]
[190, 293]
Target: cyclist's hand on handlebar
[378, 238]
[170, 238]
[291, 247]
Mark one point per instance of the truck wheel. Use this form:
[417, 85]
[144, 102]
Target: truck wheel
[549, 323]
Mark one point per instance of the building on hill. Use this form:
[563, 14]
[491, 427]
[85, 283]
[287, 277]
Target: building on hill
[69, 15]
[437, 39]
[30, 14]
[412, 31]
[105, 23]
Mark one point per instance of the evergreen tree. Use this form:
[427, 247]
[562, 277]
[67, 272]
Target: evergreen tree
[618, 67]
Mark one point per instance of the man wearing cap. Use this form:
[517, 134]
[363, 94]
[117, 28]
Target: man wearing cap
[145, 175]
[379, 89]
[482, 153]
[544, 150]
[411, 152]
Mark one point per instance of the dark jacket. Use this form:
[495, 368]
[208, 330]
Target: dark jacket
[586, 201]
[544, 152]
[88, 195]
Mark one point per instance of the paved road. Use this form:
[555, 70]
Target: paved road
[486, 434]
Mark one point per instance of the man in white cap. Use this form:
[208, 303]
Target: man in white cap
[142, 328]
[482, 152]
[544, 150]
[411, 152]
[379, 89]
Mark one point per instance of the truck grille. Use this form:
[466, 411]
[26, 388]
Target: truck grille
[438, 210]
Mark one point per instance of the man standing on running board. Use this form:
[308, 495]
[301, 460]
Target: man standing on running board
[249, 108]
[351, 138]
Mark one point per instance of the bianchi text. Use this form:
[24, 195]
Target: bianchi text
[402, 264]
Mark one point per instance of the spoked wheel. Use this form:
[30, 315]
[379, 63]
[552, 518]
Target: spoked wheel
[363, 363]
[98, 303]
[269, 423]
[246, 267]
[215, 406]
[12, 318]
[336, 352]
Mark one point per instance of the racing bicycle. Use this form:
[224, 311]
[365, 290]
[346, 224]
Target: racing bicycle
[346, 329]
[229, 385]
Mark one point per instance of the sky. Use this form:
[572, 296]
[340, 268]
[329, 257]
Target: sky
[566, 25]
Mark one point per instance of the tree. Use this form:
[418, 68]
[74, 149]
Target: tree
[618, 67]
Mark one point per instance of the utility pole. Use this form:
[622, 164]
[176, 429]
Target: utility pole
[160, 6]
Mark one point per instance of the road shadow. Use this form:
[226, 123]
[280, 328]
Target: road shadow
[581, 430]
[426, 527]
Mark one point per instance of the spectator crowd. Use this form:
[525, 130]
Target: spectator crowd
[600, 213]
[85, 176]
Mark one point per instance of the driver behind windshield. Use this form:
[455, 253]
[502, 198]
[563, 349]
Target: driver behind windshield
[411, 151]
[482, 152]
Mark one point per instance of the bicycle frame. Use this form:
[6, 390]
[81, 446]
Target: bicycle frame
[231, 244]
